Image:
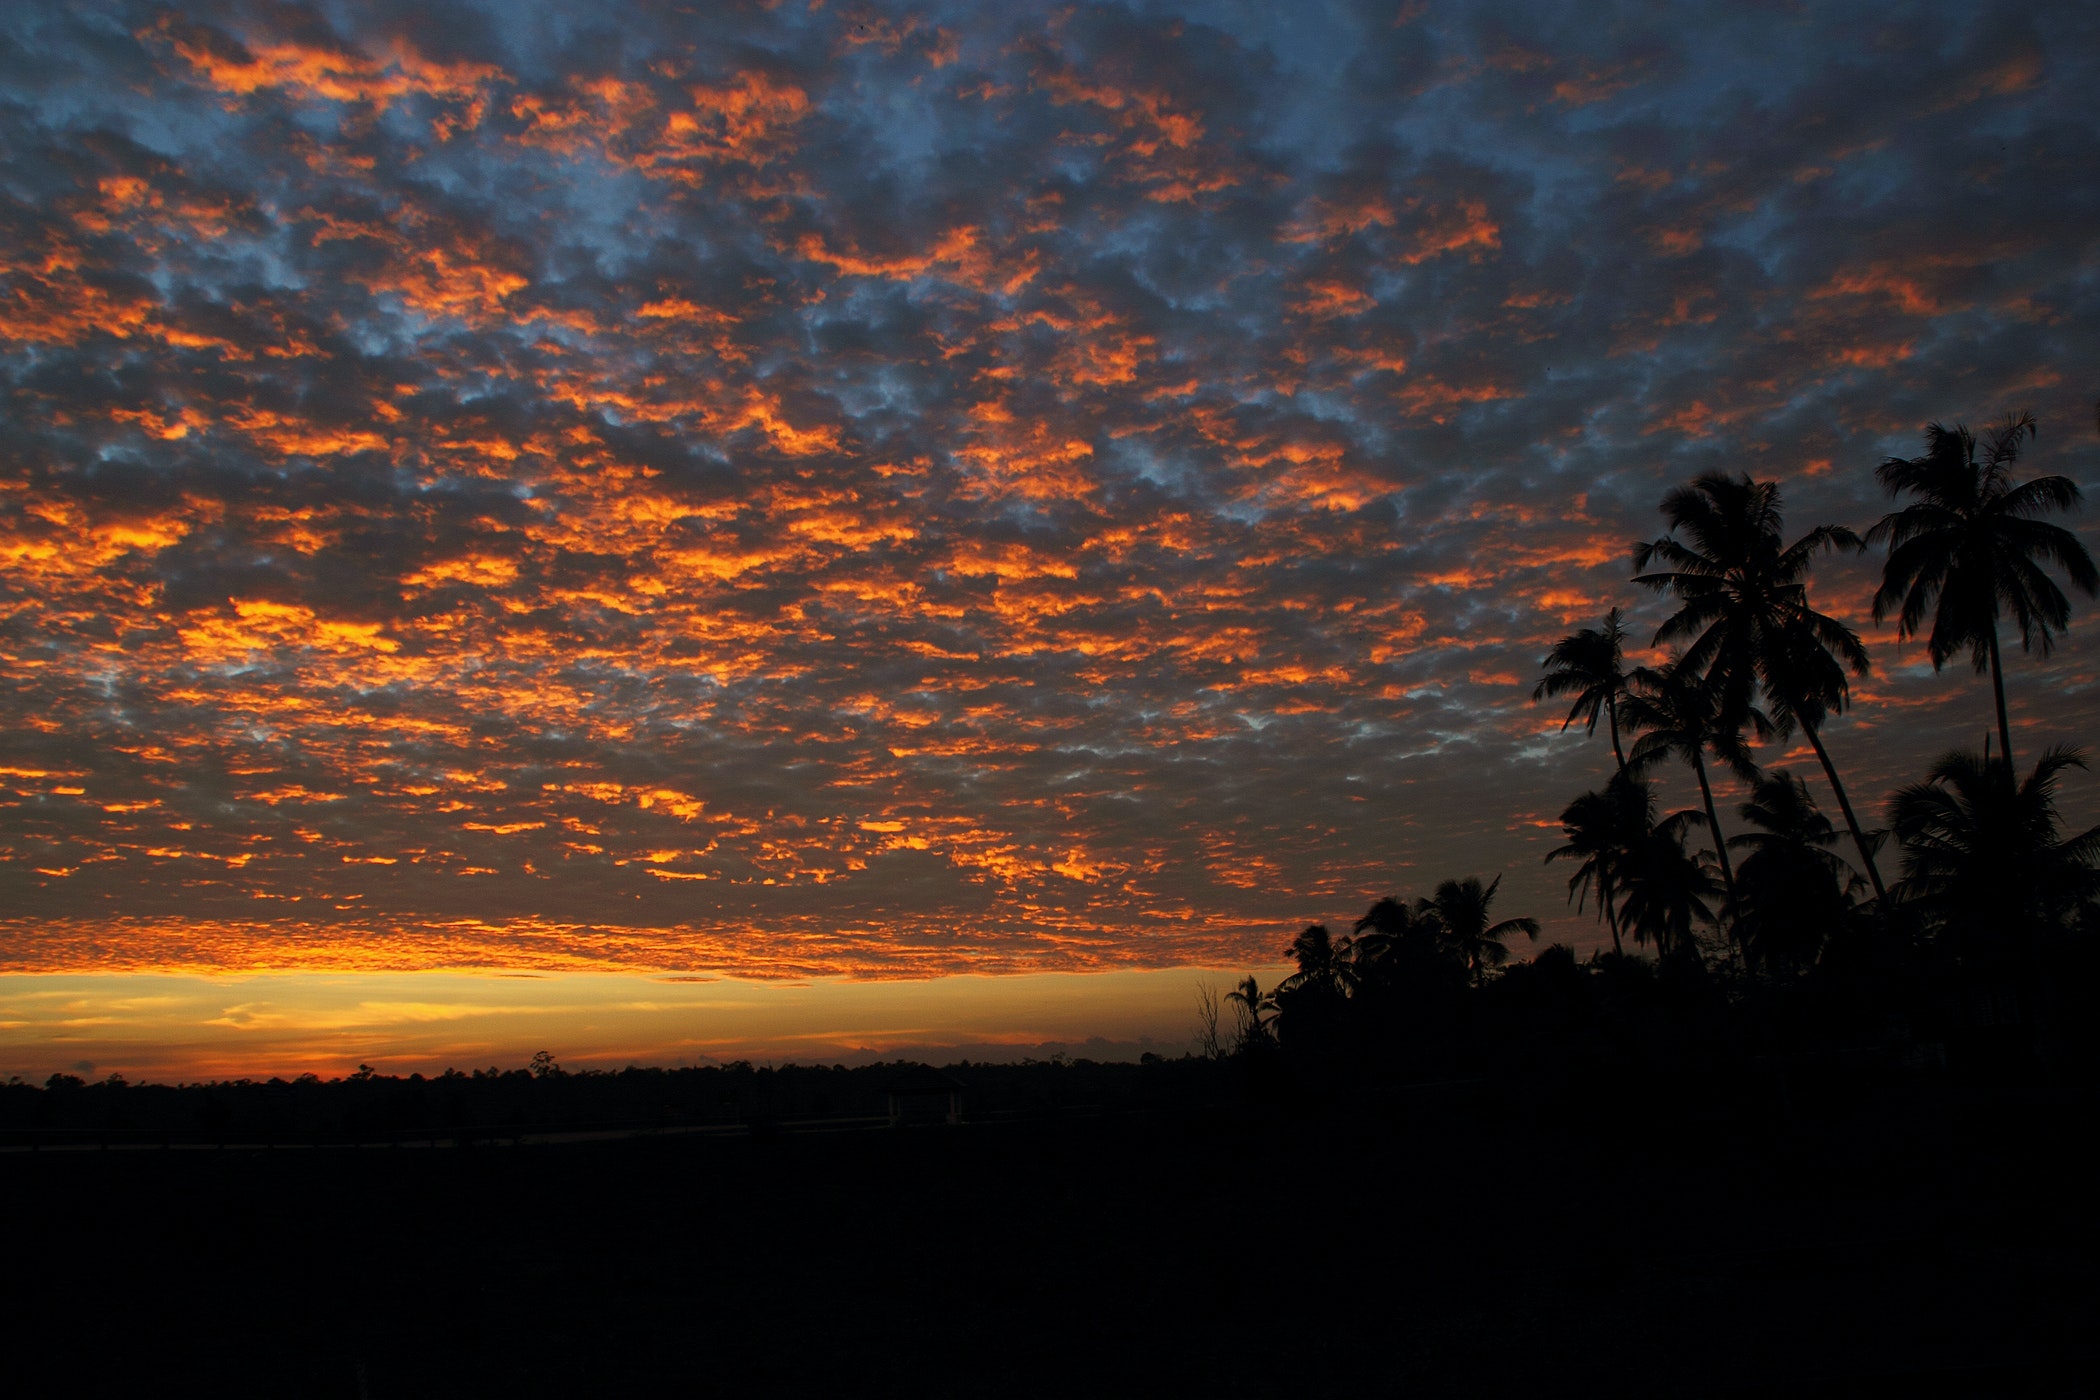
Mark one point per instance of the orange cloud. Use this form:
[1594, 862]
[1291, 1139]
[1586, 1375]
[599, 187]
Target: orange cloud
[308, 72]
[750, 120]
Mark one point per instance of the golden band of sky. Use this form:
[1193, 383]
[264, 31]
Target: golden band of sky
[175, 1026]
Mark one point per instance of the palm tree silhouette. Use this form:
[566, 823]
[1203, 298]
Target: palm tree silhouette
[1794, 888]
[1666, 889]
[1312, 1004]
[1323, 963]
[1603, 829]
[1461, 906]
[1393, 932]
[1745, 619]
[1389, 921]
[1984, 860]
[1589, 663]
[1970, 544]
[1257, 1008]
[1681, 717]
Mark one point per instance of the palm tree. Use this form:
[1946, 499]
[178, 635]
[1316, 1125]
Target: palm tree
[1312, 1003]
[1405, 971]
[1970, 544]
[1667, 888]
[1323, 964]
[1461, 906]
[1984, 860]
[1256, 1009]
[1388, 922]
[1681, 717]
[1794, 889]
[1589, 664]
[1745, 619]
[1602, 830]
[1393, 932]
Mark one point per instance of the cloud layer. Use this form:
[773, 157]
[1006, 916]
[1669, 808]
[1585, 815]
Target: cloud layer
[811, 488]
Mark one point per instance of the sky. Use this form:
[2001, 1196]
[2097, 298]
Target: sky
[812, 491]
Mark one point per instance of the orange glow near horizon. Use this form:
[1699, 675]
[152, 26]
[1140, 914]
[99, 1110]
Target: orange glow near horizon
[166, 1027]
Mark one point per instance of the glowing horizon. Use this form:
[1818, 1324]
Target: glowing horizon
[169, 1027]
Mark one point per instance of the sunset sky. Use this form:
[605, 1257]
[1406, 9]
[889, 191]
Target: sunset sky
[821, 493]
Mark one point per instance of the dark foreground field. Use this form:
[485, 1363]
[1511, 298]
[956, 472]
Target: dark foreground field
[1893, 1241]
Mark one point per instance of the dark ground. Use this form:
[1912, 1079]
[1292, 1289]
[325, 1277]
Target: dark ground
[1903, 1240]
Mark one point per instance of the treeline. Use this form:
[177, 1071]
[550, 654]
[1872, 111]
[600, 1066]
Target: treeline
[1777, 930]
[1377, 1009]
[495, 1104]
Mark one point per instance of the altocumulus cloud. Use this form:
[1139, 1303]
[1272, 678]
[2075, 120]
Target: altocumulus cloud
[899, 489]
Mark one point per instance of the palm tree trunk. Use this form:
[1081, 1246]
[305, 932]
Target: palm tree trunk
[1611, 915]
[1859, 838]
[1611, 712]
[1998, 691]
[1713, 824]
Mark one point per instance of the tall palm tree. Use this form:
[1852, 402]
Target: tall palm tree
[1744, 619]
[1590, 665]
[1970, 544]
[1794, 889]
[1667, 888]
[1603, 829]
[1679, 716]
[1462, 907]
[1985, 860]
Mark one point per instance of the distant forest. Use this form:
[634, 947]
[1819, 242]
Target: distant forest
[543, 1101]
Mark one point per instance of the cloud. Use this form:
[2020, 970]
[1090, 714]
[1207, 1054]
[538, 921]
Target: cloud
[906, 490]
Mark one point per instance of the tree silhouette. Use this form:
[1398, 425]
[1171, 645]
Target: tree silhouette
[1461, 906]
[1603, 830]
[1312, 1003]
[1679, 716]
[1984, 860]
[1745, 622]
[1589, 664]
[1970, 544]
[1256, 1008]
[1666, 888]
[1208, 1004]
[1793, 888]
[1395, 938]
[1323, 963]
[1389, 923]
